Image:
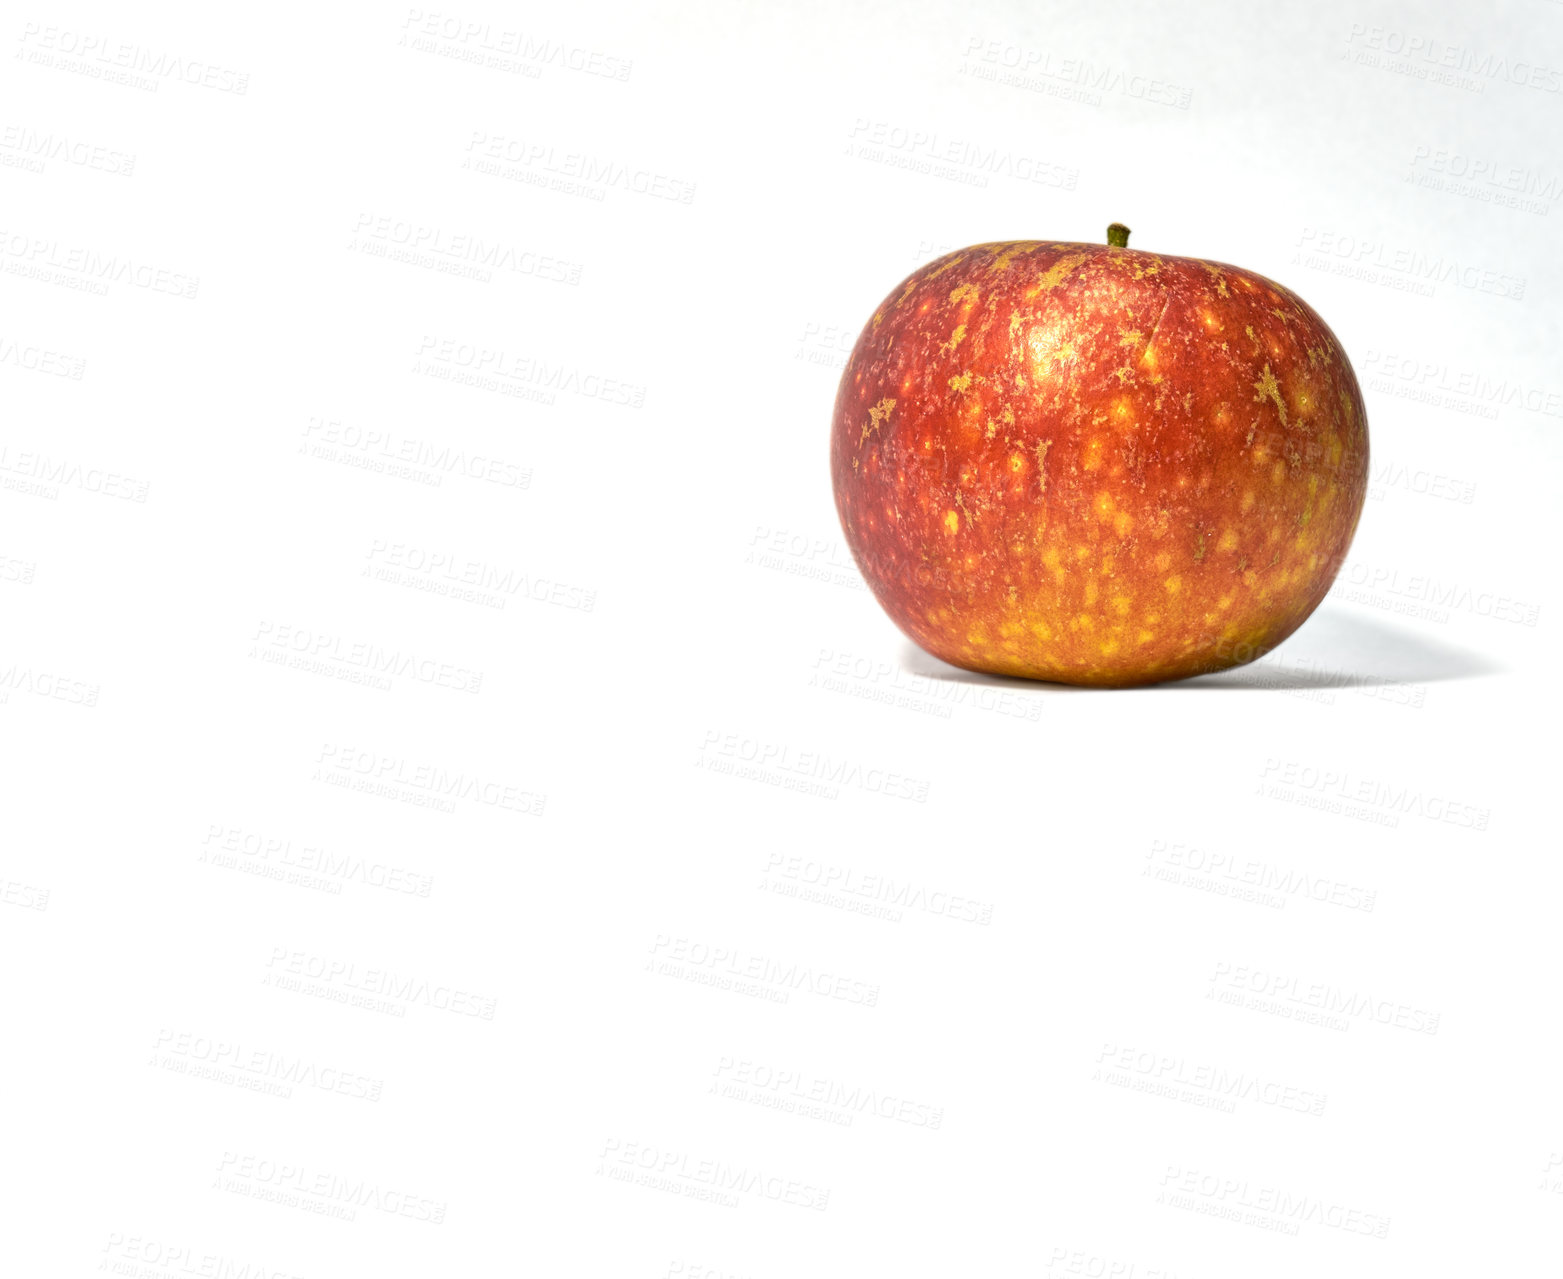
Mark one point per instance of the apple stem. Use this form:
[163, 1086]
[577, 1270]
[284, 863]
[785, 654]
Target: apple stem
[1118, 235]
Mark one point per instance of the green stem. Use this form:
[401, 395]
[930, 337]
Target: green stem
[1118, 235]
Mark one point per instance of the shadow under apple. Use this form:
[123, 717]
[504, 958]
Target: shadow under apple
[1335, 648]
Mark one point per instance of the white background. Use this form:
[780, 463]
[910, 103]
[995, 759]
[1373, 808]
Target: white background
[592, 1013]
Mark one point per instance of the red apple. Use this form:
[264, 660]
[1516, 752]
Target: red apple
[1095, 465]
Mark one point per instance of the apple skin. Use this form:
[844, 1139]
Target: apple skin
[1096, 465]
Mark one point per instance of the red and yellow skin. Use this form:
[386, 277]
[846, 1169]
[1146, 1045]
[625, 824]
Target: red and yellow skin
[1095, 465]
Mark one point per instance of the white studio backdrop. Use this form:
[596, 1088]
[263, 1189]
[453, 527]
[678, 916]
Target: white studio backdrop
[464, 813]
